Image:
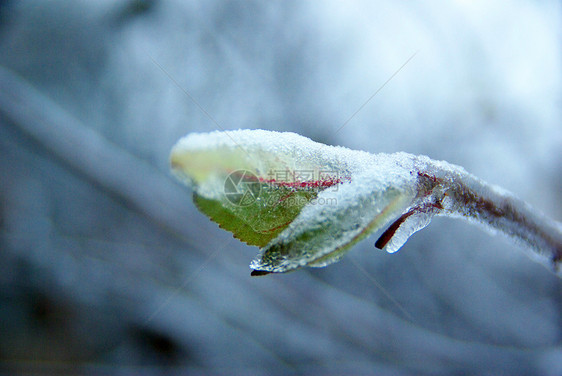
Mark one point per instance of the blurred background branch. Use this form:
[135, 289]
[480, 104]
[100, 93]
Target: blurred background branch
[88, 154]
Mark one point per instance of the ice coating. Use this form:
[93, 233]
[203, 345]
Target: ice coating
[321, 234]
[448, 190]
[299, 216]
[207, 161]
[260, 151]
[371, 190]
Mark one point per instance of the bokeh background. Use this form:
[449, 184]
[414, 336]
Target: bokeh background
[106, 266]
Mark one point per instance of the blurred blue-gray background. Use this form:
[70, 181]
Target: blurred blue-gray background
[107, 266]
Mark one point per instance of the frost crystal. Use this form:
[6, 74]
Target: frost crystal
[305, 203]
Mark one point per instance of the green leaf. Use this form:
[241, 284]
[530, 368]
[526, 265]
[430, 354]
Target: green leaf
[260, 221]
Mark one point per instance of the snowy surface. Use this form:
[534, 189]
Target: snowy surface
[371, 190]
[369, 193]
[106, 262]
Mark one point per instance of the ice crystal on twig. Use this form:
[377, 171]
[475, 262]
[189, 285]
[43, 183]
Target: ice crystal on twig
[306, 204]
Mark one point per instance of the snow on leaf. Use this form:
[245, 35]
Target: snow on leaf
[306, 204]
[255, 191]
[303, 202]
